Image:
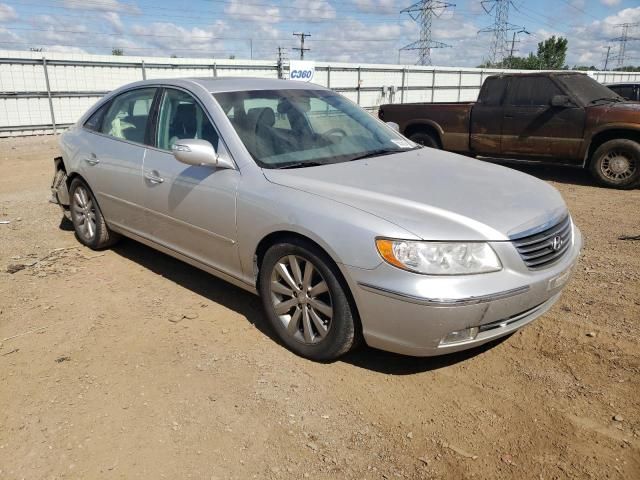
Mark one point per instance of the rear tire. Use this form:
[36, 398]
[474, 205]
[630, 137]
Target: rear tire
[88, 222]
[616, 164]
[426, 139]
[308, 309]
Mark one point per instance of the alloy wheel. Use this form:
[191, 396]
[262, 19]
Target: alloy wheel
[84, 213]
[301, 299]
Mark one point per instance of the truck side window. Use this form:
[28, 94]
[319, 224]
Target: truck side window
[531, 91]
[493, 91]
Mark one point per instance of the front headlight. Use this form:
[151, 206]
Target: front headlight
[439, 258]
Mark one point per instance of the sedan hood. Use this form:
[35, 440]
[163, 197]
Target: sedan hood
[433, 194]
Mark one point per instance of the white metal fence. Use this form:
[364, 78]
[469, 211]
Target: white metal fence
[43, 94]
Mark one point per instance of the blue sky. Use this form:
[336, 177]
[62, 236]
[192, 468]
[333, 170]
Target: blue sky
[351, 30]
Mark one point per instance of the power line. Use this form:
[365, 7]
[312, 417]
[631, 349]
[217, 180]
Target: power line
[423, 13]
[301, 49]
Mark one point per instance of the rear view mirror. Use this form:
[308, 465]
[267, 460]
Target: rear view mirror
[561, 101]
[198, 152]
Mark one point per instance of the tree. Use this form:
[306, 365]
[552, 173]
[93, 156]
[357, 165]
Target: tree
[117, 51]
[552, 53]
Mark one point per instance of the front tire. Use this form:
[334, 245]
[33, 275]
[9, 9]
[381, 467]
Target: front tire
[616, 164]
[88, 222]
[305, 302]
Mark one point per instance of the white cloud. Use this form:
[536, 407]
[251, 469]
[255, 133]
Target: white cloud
[610, 3]
[7, 13]
[238, 10]
[378, 6]
[114, 20]
[102, 6]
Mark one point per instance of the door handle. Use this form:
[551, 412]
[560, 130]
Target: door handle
[92, 160]
[153, 178]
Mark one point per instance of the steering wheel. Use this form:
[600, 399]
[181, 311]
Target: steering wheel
[335, 131]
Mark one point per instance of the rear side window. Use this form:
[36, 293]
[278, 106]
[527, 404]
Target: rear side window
[128, 115]
[493, 91]
[531, 91]
[94, 123]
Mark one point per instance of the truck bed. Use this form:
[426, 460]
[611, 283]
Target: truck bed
[456, 117]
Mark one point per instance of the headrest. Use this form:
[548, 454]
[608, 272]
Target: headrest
[262, 116]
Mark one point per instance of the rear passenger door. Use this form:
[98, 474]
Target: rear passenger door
[533, 128]
[191, 209]
[112, 150]
[486, 118]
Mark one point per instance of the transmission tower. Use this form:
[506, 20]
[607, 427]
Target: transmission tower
[623, 39]
[500, 28]
[423, 13]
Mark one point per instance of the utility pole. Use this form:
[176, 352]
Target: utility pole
[423, 12]
[513, 44]
[606, 60]
[500, 28]
[623, 39]
[301, 48]
[251, 47]
[281, 60]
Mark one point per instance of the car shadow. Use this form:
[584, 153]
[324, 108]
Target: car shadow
[249, 306]
[396, 364]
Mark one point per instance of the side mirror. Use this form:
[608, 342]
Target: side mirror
[198, 152]
[394, 125]
[561, 101]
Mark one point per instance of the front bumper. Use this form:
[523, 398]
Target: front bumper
[411, 314]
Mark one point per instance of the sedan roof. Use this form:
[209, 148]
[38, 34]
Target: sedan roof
[232, 84]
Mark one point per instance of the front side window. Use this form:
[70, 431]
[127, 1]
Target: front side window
[587, 90]
[625, 91]
[94, 123]
[532, 91]
[128, 115]
[286, 128]
[181, 117]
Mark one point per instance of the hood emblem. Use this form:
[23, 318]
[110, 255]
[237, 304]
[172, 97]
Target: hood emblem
[556, 243]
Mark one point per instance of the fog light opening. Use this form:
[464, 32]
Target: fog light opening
[460, 336]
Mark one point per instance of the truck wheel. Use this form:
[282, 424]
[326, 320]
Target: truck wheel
[616, 164]
[426, 139]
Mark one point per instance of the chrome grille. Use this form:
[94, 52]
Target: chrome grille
[546, 247]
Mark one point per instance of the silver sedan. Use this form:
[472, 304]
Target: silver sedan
[344, 228]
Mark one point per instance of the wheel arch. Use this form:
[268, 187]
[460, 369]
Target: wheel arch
[603, 136]
[280, 236]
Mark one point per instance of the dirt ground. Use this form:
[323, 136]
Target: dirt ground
[129, 364]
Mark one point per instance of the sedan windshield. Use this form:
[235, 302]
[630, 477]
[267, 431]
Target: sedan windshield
[302, 128]
[588, 90]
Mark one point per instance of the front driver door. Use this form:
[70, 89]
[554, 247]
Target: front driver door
[192, 209]
[532, 128]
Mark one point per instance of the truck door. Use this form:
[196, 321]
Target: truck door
[485, 129]
[535, 129]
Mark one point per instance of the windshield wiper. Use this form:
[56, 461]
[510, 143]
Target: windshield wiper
[611, 99]
[380, 152]
[300, 165]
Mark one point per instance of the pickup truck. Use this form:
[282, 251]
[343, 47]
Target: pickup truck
[562, 118]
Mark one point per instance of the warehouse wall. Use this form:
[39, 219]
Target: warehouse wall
[42, 94]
